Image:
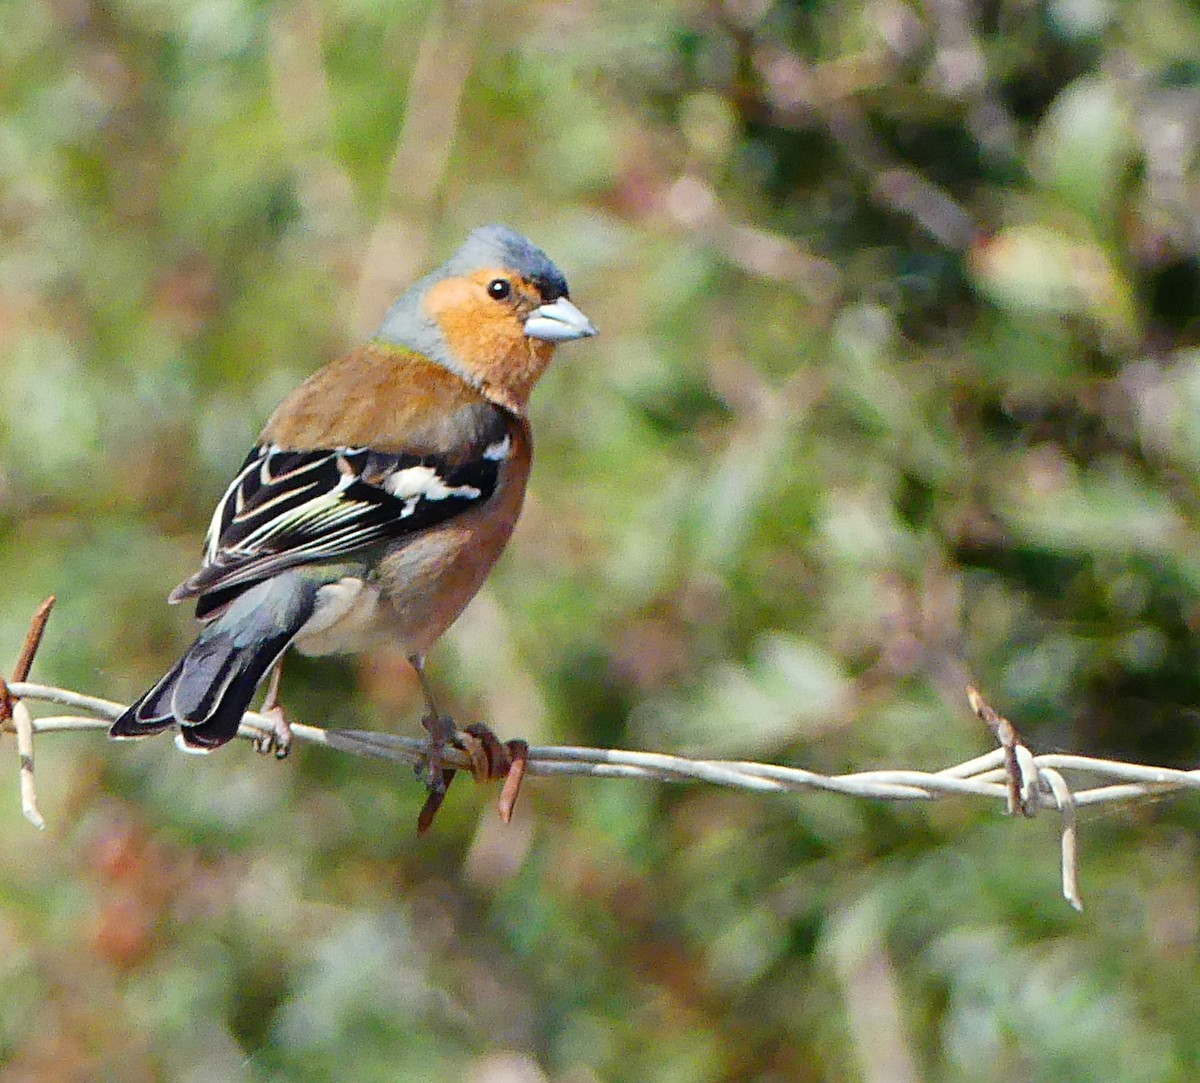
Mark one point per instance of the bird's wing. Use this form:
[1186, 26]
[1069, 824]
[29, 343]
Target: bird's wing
[299, 507]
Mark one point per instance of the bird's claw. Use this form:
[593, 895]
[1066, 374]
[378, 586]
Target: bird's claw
[276, 741]
[434, 772]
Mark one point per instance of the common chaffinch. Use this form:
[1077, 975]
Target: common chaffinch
[378, 497]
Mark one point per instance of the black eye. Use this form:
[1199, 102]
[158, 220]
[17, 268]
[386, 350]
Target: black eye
[499, 288]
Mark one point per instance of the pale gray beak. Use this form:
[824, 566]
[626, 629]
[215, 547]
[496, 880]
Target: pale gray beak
[559, 321]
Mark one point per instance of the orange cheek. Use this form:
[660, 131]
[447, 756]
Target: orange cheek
[487, 338]
[480, 333]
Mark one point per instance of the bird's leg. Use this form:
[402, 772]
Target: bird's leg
[279, 740]
[491, 758]
[441, 730]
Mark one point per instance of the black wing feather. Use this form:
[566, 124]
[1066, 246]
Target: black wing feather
[297, 507]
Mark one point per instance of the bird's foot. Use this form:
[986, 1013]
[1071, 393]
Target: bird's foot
[278, 740]
[491, 760]
[442, 730]
[437, 776]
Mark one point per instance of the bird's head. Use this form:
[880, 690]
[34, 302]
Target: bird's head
[493, 313]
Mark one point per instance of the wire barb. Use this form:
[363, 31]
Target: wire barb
[13, 711]
[1006, 733]
[1029, 784]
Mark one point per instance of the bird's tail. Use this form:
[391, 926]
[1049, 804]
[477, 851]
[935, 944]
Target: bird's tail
[209, 689]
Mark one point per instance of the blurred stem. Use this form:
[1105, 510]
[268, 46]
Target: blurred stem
[400, 241]
[874, 1002]
[303, 99]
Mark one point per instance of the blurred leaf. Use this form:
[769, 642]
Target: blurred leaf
[1104, 510]
[1044, 271]
[1084, 147]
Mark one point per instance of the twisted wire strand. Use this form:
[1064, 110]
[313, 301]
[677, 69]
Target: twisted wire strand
[1040, 781]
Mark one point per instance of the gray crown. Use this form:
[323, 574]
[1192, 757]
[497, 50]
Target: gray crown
[499, 246]
[488, 246]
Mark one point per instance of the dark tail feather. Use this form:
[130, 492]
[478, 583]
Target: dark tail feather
[211, 686]
[152, 713]
[205, 694]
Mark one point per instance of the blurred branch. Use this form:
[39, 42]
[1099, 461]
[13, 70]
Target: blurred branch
[1011, 773]
[398, 245]
[801, 95]
[303, 99]
[693, 203]
[961, 72]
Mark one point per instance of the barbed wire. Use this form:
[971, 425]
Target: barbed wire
[1025, 782]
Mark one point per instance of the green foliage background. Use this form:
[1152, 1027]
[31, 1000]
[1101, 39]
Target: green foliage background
[898, 387]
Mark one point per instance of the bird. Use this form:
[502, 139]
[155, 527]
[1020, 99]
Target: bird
[377, 499]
